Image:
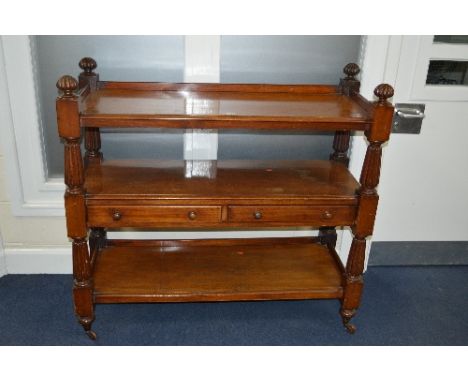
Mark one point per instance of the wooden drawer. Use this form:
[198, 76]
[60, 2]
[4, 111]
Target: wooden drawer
[293, 215]
[152, 216]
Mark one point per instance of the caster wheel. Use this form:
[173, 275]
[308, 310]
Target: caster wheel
[350, 328]
[91, 335]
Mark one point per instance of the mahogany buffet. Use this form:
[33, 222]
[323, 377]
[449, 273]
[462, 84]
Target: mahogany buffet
[103, 194]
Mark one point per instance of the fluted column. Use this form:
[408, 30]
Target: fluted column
[75, 209]
[368, 200]
[92, 136]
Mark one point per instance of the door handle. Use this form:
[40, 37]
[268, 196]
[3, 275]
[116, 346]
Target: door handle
[410, 113]
[408, 117]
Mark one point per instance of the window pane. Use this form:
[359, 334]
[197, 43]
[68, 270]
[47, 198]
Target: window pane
[445, 72]
[286, 59]
[119, 58]
[457, 39]
[282, 59]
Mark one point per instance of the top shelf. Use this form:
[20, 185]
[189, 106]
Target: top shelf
[124, 104]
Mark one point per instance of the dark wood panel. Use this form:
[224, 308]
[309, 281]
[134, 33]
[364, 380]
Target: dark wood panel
[314, 216]
[211, 242]
[118, 215]
[304, 181]
[216, 272]
[225, 122]
[114, 216]
[218, 87]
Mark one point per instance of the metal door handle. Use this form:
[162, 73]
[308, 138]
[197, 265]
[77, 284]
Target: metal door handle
[410, 113]
[408, 118]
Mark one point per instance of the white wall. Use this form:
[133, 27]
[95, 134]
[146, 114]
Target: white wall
[25, 239]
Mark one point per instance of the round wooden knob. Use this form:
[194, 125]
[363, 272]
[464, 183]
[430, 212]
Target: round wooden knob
[257, 215]
[327, 215]
[88, 64]
[67, 84]
[117, 215]
[192, 215]
[351, 70]
[383, 92]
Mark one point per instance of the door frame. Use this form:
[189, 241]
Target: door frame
[31, 193]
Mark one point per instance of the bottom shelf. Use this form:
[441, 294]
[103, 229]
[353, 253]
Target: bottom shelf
[216, 270]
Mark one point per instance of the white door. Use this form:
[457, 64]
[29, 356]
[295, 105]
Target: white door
[424, 179]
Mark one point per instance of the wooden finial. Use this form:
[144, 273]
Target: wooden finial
[88, 64]
[67, 84]
[351, 70]
[383, 92]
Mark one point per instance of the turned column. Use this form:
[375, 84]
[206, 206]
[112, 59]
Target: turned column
[341, 147]
[92, 142]
[347, 86]
[69, 130]
[363, 227]
[92, 135]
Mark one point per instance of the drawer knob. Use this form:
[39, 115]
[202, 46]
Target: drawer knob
[257, 215]
[116, 215]
[327, 215]
[192, 215]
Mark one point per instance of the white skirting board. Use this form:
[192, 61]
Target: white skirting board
[3, 270]
[35, 260]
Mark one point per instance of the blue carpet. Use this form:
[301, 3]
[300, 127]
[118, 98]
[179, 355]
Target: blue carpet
[401, 306]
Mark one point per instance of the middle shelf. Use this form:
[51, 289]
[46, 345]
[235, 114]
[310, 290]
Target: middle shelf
[317, 181]
[146, 193]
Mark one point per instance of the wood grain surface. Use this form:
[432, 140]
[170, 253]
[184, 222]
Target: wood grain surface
[300, 181]
[260, 106]
[104, 194]
[217, 271]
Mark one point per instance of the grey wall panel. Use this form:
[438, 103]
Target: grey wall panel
[278, 145]
[153, 144]
[124, 58]
[286, 59]
[282, 59]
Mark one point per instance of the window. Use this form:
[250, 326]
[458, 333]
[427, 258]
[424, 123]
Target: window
[447, 72]
[456, 39]
[274, 59]
[124, 58]
[282, 59]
